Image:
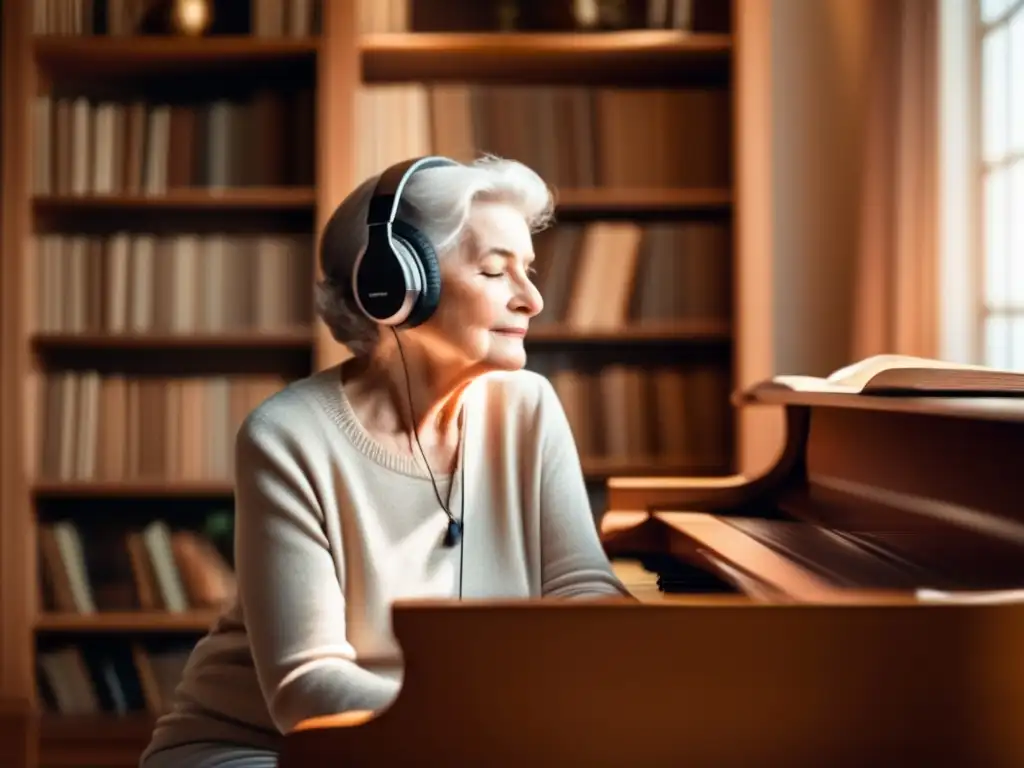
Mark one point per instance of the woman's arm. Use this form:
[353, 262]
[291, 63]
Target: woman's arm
[288, 586]
[573, 561]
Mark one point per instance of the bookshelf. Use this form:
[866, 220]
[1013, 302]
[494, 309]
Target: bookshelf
[152, 298]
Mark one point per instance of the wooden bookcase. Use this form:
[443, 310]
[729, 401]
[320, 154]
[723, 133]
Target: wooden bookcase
[364, 79]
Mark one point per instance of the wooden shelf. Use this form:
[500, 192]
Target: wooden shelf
[132, 489]
[234, 199]
[604, 200]
[148, 55]
[682, 331]
[155, 621]
[601, 468]
[593, 467]
[91, 740]
[99, 727]
[672, 332]
[176, 355]
[300, 338]
[609, 57]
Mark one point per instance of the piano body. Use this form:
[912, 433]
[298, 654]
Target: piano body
[873, 498]
[789, 629]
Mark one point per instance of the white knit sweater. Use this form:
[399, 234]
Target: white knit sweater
[331, 528]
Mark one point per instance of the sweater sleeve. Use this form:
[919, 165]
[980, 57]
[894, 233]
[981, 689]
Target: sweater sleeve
[573, 561]
[288, 587]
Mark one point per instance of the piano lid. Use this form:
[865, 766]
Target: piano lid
[607, 683]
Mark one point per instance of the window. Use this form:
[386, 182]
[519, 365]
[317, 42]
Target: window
[1001, 173]
[982, 95]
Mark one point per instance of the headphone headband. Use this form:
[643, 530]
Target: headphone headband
[387, 195]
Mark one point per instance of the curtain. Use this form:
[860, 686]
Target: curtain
[896, 300]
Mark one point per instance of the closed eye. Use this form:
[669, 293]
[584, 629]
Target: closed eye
[530, 272]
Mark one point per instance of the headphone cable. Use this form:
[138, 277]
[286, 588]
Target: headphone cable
[455, 527]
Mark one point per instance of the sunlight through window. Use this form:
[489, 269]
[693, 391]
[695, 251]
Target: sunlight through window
[1001, 156]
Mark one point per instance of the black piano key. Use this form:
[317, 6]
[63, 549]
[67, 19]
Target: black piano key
[680, 577]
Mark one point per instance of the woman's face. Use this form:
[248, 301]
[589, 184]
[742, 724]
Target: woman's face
[487, 295]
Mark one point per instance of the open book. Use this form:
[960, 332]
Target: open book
[904, 374]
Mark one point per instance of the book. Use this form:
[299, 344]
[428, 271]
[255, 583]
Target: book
[903, 375]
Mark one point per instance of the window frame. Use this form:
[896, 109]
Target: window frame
[963, 302]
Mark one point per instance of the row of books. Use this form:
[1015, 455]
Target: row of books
[112, 427]
[637, 414]
[103, 567]
[302, 18]
[120, 18]
[575, 137]
[84, 146]
[183, 283]
[375, 16]
[287, 18]
[605, 275]
[117, 677]
[116, 428]
[523, 15]
[612, 275]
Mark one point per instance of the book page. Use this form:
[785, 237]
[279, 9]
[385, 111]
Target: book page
[808, 384]
[860, 373]
[851, 379]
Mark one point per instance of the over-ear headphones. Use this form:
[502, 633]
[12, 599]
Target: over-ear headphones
[396, 280]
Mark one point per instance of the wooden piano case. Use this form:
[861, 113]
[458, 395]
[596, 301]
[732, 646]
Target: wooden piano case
[873, 497]
[633, 684]
[817, 646]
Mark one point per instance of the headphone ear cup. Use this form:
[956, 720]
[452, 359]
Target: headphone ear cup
[422, 249]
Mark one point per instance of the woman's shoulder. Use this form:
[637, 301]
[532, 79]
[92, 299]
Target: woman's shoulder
[295, 407]
[516, 392]
[522, 407]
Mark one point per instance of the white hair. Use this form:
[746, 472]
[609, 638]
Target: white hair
[437, 201]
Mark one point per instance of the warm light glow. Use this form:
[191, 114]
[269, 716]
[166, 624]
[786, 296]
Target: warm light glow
[1001, 160]
[586, 12]
[192, 17]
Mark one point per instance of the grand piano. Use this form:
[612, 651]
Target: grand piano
[860, 604]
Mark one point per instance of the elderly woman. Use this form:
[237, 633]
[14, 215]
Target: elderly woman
[430, 465]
